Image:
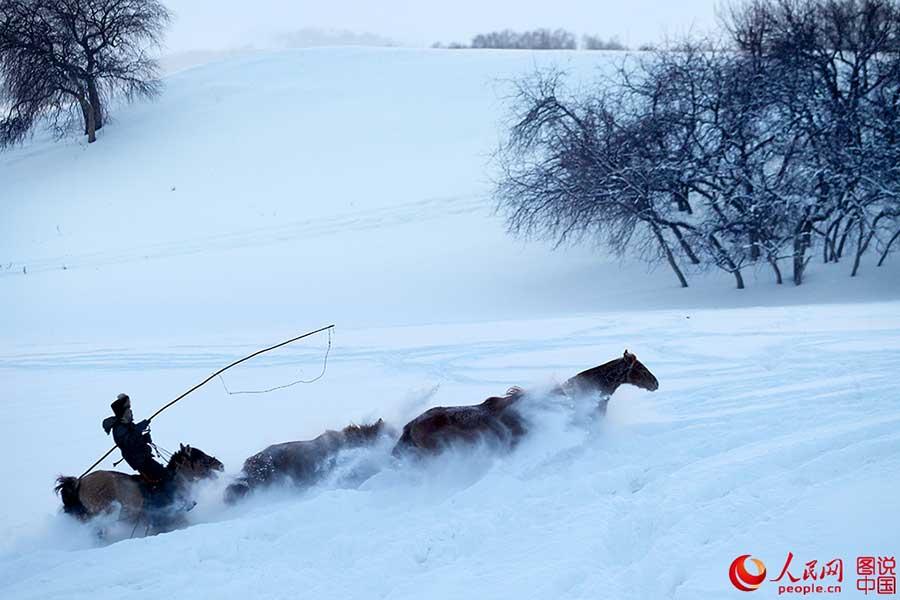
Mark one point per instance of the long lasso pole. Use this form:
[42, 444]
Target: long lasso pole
[210, 378]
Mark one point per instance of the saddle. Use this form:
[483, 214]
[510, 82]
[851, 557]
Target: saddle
[157, 493]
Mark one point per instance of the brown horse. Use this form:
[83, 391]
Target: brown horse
[606, 379]
[101, 492]
[493, 421]
[496, 420]
[302, 463]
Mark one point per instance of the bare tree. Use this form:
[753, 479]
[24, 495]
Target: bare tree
[833, 68]
[62, 58]
[736, 155]
[595, 42]
[538, 39]
[576, 168]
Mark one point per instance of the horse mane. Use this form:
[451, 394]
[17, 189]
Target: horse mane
[363, 432]
[498, 404]
[607, 365]
[183, 453]
[606, 377]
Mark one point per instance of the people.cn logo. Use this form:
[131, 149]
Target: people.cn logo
[741, 578]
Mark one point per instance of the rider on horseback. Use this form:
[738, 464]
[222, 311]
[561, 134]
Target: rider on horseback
[133, 439]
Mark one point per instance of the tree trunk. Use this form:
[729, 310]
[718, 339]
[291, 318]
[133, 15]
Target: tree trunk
[669, 256]
[861, 245]
[754, 247]
[774, 263]
[96, 104]
[732, 267]
[90, 124]
[684, 245]
[799, 264]
[681, 199]
[840, 249]
[801, 243]
[829, 253]
[888, 248]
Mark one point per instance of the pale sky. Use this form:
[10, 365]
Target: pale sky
[221, 24]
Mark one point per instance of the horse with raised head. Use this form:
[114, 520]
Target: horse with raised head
[301, 463]
[102, 492]
[497, 420]
[605, 379]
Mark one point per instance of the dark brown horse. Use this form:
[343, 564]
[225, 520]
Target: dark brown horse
[302, 463]
[101, 492]
[496, 420]
[604, 380]
[493, 421]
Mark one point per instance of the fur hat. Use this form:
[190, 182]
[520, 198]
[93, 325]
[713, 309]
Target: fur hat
[121, 402]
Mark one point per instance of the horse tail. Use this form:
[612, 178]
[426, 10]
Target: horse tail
[67, 488]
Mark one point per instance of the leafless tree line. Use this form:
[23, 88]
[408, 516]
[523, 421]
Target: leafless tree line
[537, 39]
[781, 141]
[62, 60]
[596, 42]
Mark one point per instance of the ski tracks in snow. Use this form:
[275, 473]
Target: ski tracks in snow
[363, 220]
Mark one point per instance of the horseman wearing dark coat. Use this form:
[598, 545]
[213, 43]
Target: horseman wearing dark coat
[134, 440]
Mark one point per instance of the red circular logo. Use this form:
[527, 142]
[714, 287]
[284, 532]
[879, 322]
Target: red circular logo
[741, 578]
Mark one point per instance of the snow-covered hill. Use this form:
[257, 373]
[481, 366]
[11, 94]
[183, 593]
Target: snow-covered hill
[268, 195]
[349, 185]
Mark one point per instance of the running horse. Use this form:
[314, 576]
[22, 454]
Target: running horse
[302, 463]
[603, 381]
[497, 420]
[102, 492]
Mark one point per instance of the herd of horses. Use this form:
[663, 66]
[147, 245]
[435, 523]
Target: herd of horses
[496, 421]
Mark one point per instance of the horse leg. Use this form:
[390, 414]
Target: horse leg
[167, 519]
[100, 534]
[601, 406]
[514, 424]
[500, 431]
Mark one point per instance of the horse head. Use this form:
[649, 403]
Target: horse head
[607, 377]
[194, 464]
[637, 374]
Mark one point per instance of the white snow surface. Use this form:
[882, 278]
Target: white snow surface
[265, 196]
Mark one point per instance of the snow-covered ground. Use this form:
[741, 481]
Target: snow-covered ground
[264, 196]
